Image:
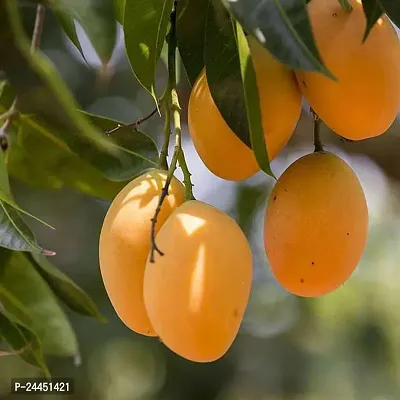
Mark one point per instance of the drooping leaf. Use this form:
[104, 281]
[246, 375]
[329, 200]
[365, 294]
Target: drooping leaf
[223, 70]
[252, 100]
[372, 11]
[24, 342]
[41, 90]
[65, 288]
[67, 24]
[56, 167]
[97, 19]
[119, 6]
[5, 192]
[139, 149]
[392, 9]
[283, 27]
[190, 33]
[145, 29]
[14, 232]
[46, 318]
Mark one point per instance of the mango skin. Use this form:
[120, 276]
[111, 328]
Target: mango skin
[197, 293]
[316, 225]
[125, 244]
[222, 152]
[364, 101]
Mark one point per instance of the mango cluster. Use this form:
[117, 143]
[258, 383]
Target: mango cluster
[194, 296]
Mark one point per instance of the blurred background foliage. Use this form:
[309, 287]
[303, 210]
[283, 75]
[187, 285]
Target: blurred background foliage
[342, 346]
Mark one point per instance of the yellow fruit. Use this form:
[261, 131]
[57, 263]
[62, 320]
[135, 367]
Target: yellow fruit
[197, 293]
[221, 150]
[125, 244]
[365, 99]
[316, 225]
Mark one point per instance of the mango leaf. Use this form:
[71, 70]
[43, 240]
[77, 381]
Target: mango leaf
[40, 89]
[119, 6]
[97, 19]
[392, 9]
[190, 34]
[282, 27]
[252, 101]
[139, 149]
[65, 288]
[24, 342]
[46, 318]
[145, 28]
[14, 233]
[57, 166]
[68, 25]
[223, 70]
[372, 11]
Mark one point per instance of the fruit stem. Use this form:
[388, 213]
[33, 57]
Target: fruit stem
[165, 100]
[346, 5]
[318, 146]
[172, 95]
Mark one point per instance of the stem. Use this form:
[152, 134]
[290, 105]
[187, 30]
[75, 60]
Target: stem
[186, 176]
[38, 29]
[318, 146]
[346, 5]
[176, 114]
[133, 125]
[162, 162]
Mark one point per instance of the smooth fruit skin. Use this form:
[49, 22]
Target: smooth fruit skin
[125, 244]
[316, 225]
[365, 99]
[197, 293]
[223, 153]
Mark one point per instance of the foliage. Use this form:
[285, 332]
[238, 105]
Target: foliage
[48, 142]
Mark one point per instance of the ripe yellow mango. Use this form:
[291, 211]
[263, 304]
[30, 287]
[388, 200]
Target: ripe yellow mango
[196, 294]
[125, 243]
[223, 153]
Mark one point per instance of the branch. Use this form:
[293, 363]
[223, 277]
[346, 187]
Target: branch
[38, 29]
[133, 125]
[176, 113]
[318, 146]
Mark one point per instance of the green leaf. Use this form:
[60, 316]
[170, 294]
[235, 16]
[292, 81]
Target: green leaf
[65, 288]
[145, 29]
[22, 340]
[373, 12]
[190, 34]
[252, 101]
[392, 9]
[57, 166]
[223, 70]
[40, 89]
[97, 19]
[119, 6]
[67, 24]
[139, 151]
[5, 192]
[282, 27]
[15, 234]
[46, 318]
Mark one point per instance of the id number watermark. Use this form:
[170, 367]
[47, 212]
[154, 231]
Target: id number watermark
[42, 386]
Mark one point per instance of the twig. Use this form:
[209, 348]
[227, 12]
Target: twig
[176, 112]
[133, 125]
[162, 162]
[38, 29]
[318, 146]
[186, 176]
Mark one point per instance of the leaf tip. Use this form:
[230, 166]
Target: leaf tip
[48, 253]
